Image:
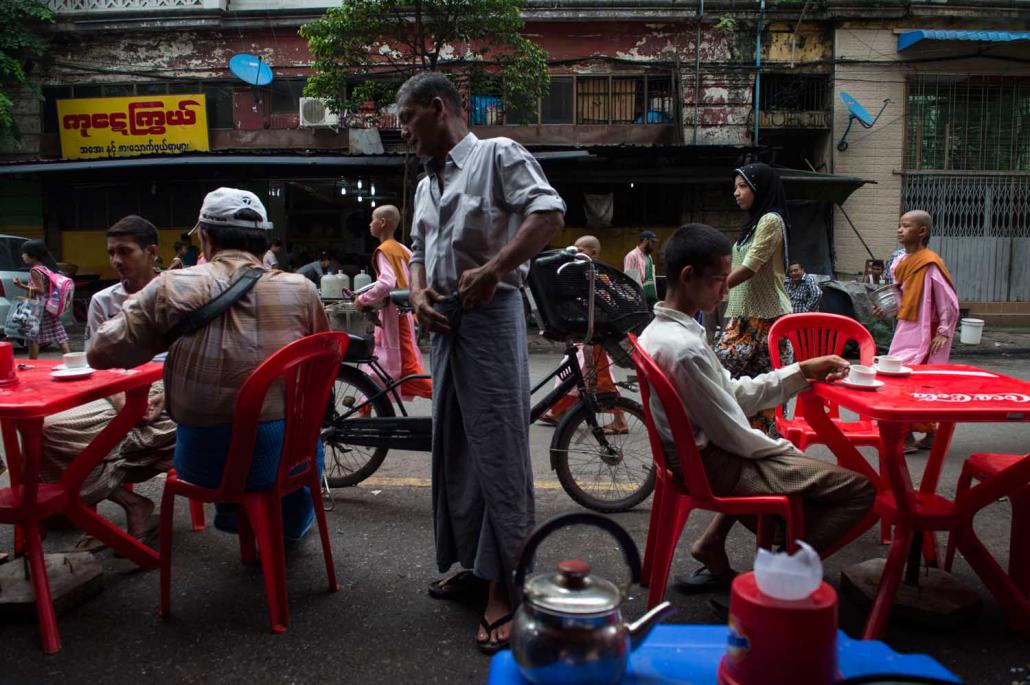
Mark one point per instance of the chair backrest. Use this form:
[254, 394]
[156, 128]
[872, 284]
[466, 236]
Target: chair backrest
[653, 379]
[305, 371]
[1005, 483]
[817, 334]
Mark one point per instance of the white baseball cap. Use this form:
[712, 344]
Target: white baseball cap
[220, 207]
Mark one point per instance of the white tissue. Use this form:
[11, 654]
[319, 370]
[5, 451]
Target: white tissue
[789, 576]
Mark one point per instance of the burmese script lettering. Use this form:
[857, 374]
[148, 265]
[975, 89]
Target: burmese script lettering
[142, 119]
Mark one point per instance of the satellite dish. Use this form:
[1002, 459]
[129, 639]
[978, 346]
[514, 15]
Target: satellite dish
[856, 112]
[250, 69]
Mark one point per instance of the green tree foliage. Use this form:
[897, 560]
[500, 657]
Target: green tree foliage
[20, 44]
[473, 41]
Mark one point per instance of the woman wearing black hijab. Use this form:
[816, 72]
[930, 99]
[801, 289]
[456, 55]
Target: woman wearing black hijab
[757, 293]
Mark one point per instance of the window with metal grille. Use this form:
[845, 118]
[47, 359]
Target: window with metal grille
[588, 100]
[968, 123]
[624, 100]
[794, 93]
[557, 106]
[592, 103]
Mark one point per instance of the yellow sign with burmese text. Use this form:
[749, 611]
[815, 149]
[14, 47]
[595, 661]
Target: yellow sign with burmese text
[108, 128]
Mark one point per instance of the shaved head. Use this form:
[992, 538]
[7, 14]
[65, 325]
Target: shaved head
[589, 245]
[384, 222]
[388, 213]
[920, 217]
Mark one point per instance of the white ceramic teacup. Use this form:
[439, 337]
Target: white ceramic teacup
[861, 375]
[75, 360]
[887, 363]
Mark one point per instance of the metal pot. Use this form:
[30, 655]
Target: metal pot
[887, 298]
[569, 628]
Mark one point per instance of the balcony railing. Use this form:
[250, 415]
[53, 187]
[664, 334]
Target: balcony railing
[60, 7]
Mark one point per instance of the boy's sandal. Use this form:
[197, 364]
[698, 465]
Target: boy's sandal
[704, 581]
[489, 646]
[463, 585]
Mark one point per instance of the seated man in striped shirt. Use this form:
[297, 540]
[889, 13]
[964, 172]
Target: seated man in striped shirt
[205, 369]
[803, 291]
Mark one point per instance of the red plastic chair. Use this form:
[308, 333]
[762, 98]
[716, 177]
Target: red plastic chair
[986, 465]
[928, 512]
[25, 506]
[673, 502]
[306, 369]
[814, 335]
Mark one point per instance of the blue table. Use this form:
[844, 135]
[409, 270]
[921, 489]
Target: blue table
[690, 655]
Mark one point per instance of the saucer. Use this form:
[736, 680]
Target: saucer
[903, 371]
[861, 386]
[69, 374]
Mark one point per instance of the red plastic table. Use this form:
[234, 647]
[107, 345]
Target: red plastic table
[944, 393]
[23, 406]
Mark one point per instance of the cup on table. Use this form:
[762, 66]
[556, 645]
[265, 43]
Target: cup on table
[861, 375]
[75, 360]
[887, 363]
[7, 372]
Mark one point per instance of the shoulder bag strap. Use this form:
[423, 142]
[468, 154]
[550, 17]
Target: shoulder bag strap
[205, 314]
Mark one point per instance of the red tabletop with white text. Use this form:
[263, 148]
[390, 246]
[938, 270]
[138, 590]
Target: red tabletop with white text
[36, 395]
[946, 394]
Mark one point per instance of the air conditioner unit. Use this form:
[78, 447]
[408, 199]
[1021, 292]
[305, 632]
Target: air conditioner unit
[315, 113]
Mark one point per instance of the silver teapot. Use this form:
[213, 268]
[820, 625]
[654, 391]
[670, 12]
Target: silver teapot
[569, 628]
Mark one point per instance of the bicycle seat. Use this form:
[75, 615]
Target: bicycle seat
[359, 349]
[401, 298]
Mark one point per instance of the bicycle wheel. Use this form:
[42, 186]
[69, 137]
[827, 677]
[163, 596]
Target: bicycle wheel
[347, 465]
[605, 479]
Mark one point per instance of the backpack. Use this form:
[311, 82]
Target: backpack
[62, 289]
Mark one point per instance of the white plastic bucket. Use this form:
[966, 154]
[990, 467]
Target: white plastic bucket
[972, 329]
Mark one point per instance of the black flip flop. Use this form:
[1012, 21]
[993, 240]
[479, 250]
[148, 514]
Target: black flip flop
[488, 646]
[462, 586]
[703, 581]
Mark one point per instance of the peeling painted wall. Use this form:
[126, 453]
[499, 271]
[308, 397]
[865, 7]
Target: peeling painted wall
[603, 47]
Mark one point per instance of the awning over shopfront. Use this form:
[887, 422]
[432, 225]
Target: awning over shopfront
[291, 160]
[910, 38]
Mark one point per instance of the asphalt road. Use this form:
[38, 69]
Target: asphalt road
[382, 628]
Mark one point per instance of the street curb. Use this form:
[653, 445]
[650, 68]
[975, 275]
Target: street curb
[989, 351]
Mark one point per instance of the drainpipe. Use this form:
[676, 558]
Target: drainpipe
[758, 67]
[697, 67]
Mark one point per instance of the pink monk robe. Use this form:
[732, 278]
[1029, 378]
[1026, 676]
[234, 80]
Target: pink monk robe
[938, 315]
[395, 337]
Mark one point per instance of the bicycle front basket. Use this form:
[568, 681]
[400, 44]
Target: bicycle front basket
[561, 288]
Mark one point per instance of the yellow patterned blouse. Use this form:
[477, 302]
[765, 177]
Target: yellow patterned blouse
[762, 296]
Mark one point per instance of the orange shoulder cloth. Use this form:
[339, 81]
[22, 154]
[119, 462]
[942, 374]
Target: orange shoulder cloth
[397, 255]
[911, 276]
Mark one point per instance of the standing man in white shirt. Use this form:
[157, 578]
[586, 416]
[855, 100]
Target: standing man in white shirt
[639, 265]
[483, 210]
[271, 258]
[739, 459]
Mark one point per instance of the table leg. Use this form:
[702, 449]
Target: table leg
[12, 449]
[847, 457]
[914, 559]
[895, 476]
[87, 519]
[928, 484]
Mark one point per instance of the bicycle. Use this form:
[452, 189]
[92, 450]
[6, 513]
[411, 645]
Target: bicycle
[600, 470]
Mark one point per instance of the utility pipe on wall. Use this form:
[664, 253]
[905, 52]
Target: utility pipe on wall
[758, 68]
[697, 67]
